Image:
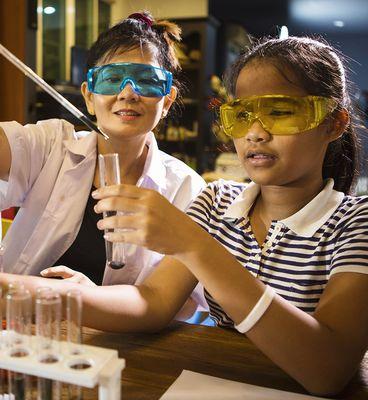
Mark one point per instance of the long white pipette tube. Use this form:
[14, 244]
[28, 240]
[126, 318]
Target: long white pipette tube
[50, 90]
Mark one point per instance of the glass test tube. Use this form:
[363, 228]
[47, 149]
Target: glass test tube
[19, 386]
[13, 287]
[48, 318]
[74, 321]
[74, 335]
[18, 320]
[110, 175]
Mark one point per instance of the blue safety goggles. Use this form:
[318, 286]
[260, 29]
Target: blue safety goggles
[146, 80]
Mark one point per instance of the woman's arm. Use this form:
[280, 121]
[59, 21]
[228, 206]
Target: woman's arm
[5, 156]
[125, 308]
[317, 350]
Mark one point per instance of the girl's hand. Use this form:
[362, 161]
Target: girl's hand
[61, 271]
[148, 219]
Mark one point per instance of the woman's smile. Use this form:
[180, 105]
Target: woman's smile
[127, 114]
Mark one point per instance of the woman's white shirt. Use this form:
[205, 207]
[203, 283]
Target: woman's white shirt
[50, 180]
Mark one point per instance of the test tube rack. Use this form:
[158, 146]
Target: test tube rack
[92, 366]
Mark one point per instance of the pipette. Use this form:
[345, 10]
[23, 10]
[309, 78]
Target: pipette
[50, 90]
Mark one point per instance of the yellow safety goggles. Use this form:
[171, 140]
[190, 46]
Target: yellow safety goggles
[278, 114]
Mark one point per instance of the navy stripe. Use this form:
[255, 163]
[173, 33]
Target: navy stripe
[297, 267]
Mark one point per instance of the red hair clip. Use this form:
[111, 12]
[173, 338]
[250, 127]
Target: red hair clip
[143, 18]
[214, 103]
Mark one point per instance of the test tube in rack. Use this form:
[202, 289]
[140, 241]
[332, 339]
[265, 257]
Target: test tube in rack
[48, 318]
[74, 335]
[18, 321]
[18, 343]
[92, 366]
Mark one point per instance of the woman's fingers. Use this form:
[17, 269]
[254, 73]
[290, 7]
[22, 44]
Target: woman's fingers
[68, 274]
[59, 271]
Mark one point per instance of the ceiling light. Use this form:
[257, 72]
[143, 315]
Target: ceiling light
[284, 32]
[339, 23]
[49, 10]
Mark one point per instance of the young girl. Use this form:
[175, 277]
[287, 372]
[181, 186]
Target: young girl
[284, 259]
[51, 169]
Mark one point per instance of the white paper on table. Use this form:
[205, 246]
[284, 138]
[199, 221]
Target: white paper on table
[194, 386]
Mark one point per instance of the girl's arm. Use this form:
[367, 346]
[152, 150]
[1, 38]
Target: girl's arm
[125, 308]
[320, 351]
[5, 156]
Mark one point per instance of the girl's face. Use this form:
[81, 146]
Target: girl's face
[128, 114]
[287, 160]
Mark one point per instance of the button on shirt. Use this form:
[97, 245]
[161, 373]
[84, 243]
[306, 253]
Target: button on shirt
[300, 253]
[50, 180]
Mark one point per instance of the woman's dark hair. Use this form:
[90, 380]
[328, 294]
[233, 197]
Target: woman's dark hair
[320, 70]
[139, 30]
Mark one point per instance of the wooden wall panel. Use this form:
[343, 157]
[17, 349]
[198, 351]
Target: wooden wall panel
[12, 81]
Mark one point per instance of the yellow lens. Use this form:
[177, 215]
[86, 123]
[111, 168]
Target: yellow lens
[236, 118]
[283, 115]
[278, 114]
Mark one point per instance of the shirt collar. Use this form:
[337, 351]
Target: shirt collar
[154, 168]
[243, 202]
[313, 215]
[306, 221]
[83, 143]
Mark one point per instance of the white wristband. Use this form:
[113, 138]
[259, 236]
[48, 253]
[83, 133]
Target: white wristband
[258, 310]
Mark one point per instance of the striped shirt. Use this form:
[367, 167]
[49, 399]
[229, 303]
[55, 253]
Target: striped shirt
[300, 253]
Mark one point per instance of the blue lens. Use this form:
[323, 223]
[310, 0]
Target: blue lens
[145, 79]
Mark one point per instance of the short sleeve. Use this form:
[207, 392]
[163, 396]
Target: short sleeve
[200, 209]
[350, 253]
[30, 146]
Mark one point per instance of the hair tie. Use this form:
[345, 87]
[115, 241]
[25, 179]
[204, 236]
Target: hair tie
[141, 17]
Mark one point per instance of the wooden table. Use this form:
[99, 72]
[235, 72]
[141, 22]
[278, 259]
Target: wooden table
[154, 361]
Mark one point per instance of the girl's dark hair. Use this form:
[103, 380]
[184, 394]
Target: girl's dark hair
[320, 70]
[139, 32]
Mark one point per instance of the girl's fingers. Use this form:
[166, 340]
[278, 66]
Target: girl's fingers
[128, 222]
[132, 237]
[129, 191]
[119, 204]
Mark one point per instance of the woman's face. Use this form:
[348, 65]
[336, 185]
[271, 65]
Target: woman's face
[128, 114]
[280, 160]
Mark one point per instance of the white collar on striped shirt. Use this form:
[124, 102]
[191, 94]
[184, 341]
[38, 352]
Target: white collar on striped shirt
[306, 221]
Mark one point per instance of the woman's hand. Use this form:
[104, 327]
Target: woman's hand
[148, 219]
[68, 274]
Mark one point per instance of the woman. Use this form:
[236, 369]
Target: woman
[51, 169]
